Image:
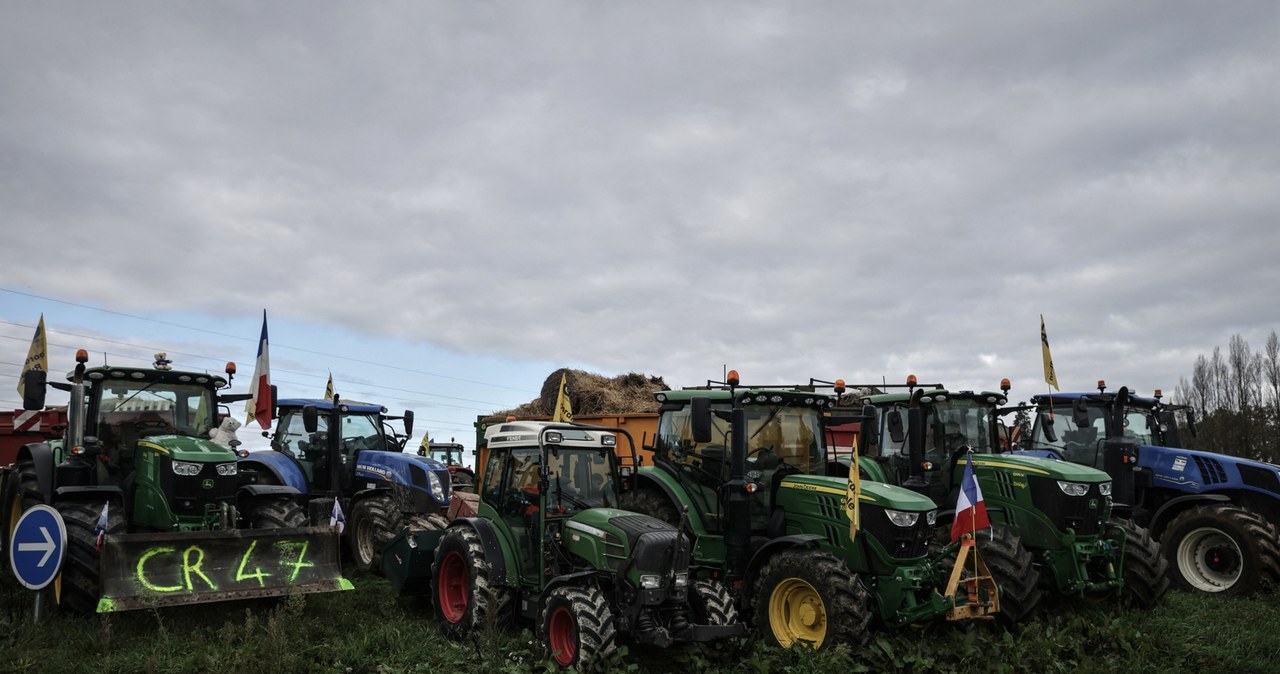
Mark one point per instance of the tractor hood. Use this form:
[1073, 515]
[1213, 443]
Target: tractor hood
[610, 538]
[193, 450]
[1189, 468]
[880, 494]
[1037, 466]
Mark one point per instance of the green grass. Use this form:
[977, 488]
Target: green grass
[371, 630]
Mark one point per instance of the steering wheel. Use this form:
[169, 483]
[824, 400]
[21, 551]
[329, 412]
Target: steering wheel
[759, 453]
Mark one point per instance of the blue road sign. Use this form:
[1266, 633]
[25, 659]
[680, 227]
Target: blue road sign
[36, 550]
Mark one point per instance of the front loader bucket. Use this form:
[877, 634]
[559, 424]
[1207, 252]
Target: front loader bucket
[406, 561]
[170, 569]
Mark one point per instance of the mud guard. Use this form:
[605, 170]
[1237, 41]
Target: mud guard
[170, 569]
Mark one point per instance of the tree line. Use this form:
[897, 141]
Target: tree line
[1236, 400]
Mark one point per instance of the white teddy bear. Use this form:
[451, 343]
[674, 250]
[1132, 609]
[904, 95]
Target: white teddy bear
[225, 433]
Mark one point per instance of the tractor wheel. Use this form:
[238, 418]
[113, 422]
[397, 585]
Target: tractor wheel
[420, 522]
[711, 604]
[653, 503]
[464, 480]
[81, 584]
[1146, 576]
[577, 626]
[1222, 549]
[372, 527]
[277, 514]
[466, 592]
[22, 493]
[1013, 568]
[809, 597]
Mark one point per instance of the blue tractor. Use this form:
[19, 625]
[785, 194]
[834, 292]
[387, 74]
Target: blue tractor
[362, 466]
[1215, 515]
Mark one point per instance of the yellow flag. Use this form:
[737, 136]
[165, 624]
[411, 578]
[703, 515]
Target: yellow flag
[852, 494]
[328, 388]
[564, 410]
[37, 356]
[1050, 376]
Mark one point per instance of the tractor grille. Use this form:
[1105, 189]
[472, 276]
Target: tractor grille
[1211, 470]
[1083, 514]
[899, 542]
[189, 494]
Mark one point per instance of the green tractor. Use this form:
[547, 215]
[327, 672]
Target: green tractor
[547, 542]
[179, 523]
[747, 466]
[1053, 530]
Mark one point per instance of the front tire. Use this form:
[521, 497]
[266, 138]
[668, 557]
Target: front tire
[809, 597]
[277, 514]
[577, 626]
[1146, 577]
[711, 604]
[1222, 549]
[466, 593]
[1013, 568]
[371, 530]
[81, 583]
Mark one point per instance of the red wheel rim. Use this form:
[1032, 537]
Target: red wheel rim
[563, 635]
[454, 590]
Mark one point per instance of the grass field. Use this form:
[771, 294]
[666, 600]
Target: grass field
[371, 630]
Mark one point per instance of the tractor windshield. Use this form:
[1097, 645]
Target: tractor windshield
[1083, 444]
[958, 423]
[580, 479]
[155, 408]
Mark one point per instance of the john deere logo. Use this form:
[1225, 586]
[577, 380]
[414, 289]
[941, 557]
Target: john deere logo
[207, 484]
[1093, 504]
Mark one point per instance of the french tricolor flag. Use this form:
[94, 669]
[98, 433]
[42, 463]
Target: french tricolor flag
[971, 512]
[259, 405]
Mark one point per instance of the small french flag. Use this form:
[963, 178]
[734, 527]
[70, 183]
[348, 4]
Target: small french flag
[971, 511]
[336, 520]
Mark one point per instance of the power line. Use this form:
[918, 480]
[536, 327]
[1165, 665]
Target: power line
[273, 345]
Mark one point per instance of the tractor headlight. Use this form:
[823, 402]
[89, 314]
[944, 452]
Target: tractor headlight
[436, 486]
[682, 580]
[1073, 488]
[931, 518]
[1104, 488]
[903, 519]
[226, 469]
[188, 469]
[651, 582]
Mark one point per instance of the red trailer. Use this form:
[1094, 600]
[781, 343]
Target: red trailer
[23, 427]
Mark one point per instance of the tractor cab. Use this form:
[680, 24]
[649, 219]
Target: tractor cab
[540, 474]
[783, 437]
[363, 428]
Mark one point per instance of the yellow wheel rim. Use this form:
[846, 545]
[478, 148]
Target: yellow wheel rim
[797, 614]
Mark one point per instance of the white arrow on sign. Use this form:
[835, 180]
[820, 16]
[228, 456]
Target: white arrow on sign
[47, 546]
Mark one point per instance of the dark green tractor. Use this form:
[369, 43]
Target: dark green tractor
[547, 542]
[1053, 530]
[180, 523]
[748, 466]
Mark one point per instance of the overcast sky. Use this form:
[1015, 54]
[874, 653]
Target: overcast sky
[443, 202]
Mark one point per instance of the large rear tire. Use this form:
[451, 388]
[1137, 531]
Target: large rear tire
[806, 596]
[577, 626]
[81, 582]
[1012, 567]
[22, 492]
[1222, 549]
[1146, 577]
[466, 593]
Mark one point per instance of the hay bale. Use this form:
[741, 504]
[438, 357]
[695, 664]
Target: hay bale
[591, 393]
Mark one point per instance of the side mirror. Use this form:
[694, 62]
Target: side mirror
[1080, 413]
[1046, 427]
[33, 391]
[1191, 422]
[870, 430]
[700, 420]
[310, 418]
[896, 432]
[408, 422]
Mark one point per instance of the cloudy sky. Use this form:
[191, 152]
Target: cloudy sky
[443, 202]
